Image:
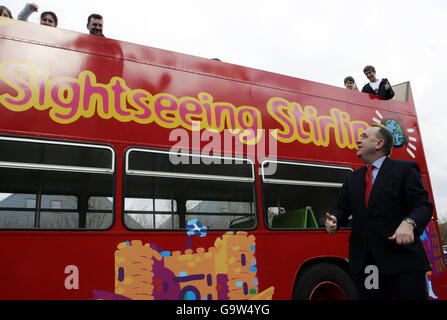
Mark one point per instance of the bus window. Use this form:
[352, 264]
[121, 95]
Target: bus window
[162, 192]
[100, 213]
[150, 213]
[216, 214]
[18, 212]
[46, 185]
[58, 212]
[298, 195]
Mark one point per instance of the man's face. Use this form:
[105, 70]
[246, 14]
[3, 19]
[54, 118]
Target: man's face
[368, 145]
[349, 85]
[47, 20]
[371, 75]
[95, 27]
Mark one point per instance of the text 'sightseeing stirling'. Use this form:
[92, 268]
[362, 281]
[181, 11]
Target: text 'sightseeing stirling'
[69, 99]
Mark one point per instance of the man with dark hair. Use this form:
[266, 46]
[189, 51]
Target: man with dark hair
[350, 84]
[95, 24]
[390, 210]
[378, 87]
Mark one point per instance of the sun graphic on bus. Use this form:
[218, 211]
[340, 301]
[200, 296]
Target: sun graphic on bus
[402, 137]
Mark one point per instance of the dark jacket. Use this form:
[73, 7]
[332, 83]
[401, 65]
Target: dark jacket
[382, 92]
[397, 194]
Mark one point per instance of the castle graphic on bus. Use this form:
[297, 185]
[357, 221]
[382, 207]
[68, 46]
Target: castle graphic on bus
[226, 271]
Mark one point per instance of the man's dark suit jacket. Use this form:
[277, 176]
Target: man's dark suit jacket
[386, 94]
[397, 194]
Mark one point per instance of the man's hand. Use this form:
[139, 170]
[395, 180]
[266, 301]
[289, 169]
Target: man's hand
[33, 7]
[331, 223]
[387, 86]
[404, 234]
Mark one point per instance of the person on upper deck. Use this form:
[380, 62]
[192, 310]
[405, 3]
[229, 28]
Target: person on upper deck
[47, 18]
[5, 12]
[350, 84]
[95, 24]
[378, 87]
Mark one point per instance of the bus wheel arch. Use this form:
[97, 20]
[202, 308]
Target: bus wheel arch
[324, 279]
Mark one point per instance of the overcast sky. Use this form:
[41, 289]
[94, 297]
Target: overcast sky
[318, 40]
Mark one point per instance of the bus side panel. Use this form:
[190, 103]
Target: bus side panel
[51, 266]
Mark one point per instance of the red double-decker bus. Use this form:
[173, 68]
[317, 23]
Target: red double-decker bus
[129, 172]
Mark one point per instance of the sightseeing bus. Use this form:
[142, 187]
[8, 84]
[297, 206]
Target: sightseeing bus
[130, 172]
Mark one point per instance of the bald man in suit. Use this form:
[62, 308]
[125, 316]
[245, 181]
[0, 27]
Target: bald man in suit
[390, 210]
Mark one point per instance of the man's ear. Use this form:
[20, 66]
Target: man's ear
[380, 144]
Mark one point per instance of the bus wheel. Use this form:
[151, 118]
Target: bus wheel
[324, 281]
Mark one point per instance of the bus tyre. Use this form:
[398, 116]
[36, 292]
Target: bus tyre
[324, 281]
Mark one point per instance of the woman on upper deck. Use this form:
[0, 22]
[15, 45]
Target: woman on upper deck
[4, 12]
[47, 18]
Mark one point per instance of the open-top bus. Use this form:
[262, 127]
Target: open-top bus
[129, 172]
